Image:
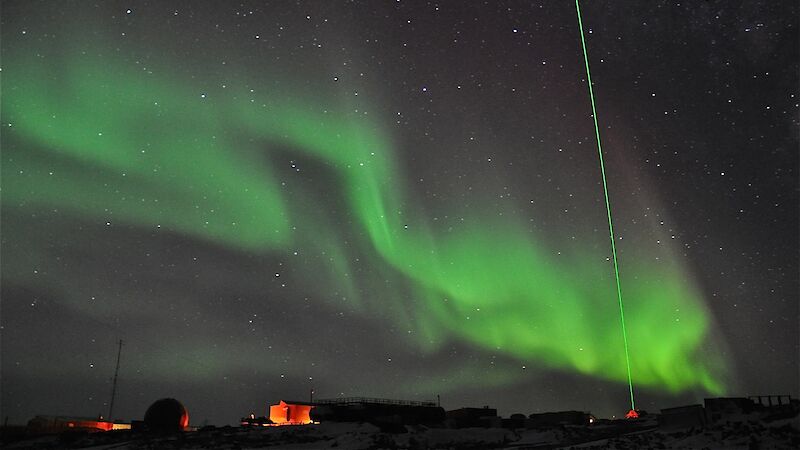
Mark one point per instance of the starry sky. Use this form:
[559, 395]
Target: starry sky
[396, 199]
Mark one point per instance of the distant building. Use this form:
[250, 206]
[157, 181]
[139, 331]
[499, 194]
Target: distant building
[515, 421]
[760, 407]
[58, 424]
[377, 411]
[723, 408]
[771, 400]
[291, 413]
[166, 415]
[775, 407]
[549, 419]
[682, 417]
[473, 418]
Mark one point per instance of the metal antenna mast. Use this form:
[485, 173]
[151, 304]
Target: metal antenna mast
[114, 385]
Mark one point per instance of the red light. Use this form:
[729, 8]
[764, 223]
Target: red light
[632, 414]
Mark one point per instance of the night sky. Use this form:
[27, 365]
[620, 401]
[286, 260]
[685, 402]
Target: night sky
[396, 199]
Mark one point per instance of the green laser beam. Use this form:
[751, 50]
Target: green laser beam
[608, 204]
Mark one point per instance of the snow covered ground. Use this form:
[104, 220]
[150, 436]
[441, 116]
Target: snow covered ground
[747, 434]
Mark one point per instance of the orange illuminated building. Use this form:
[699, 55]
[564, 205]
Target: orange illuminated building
[290, 413]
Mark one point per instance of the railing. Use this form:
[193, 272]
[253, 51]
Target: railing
[779, 399]
[371, 401]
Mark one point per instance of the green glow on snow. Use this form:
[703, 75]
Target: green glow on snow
[144, 149]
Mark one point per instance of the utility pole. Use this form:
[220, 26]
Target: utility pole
[114, 385]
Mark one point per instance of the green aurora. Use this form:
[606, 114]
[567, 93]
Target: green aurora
[160, 155]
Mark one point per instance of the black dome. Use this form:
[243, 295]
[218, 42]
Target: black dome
[166, 415]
